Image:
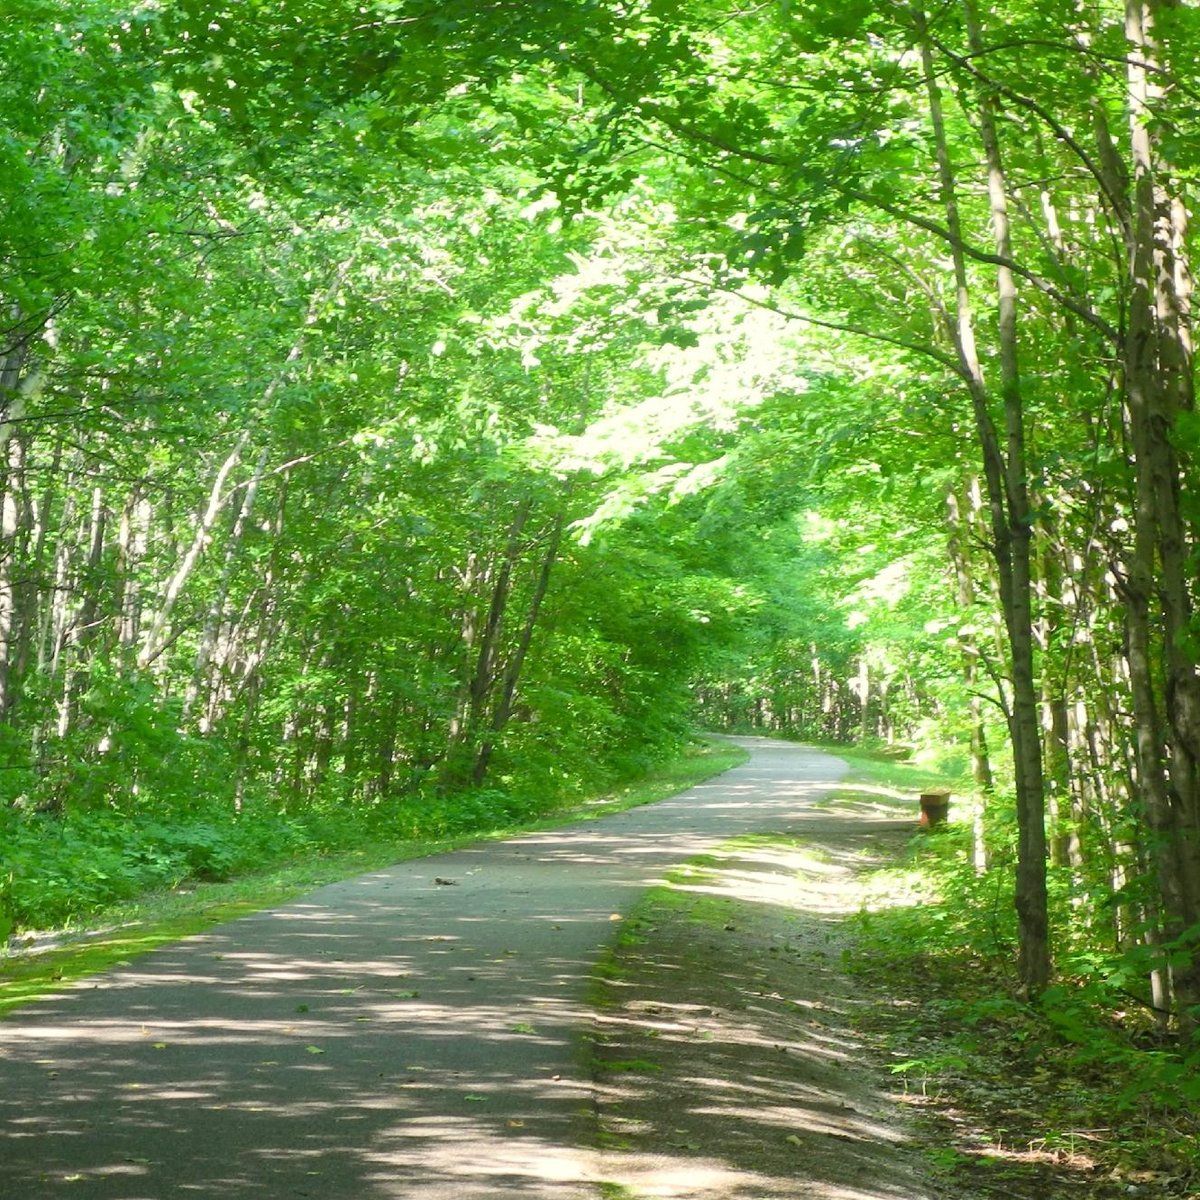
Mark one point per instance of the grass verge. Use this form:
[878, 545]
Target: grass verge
[40, 963]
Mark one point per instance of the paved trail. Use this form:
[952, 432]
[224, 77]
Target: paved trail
[388, 1036]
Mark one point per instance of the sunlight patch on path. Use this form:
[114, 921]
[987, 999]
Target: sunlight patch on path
[733, 1003]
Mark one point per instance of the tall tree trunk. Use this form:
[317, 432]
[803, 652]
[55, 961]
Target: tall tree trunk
[14, 535]
[1158, 365]
[516, 663]
[201, 687]
[1007, 492]
[132, 541]
[157, 636]
[485, 672]
[1055, 717]
[959, 522]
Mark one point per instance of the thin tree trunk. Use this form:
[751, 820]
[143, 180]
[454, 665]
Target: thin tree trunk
[200, 682]
[14, 531]
[135, 527]
[981, 765]
[512, 674]
[1004, 474]
[156, 638]
[460, 756]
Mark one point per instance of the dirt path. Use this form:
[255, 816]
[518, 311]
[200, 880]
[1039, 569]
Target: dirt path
[727, 1059]
[416, 1032]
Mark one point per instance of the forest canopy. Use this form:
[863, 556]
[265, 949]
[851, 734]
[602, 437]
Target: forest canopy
[413, 411]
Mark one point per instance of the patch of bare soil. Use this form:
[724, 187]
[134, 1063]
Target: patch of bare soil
[727, 1060]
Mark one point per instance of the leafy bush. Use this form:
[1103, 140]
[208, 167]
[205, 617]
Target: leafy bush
[59, 869]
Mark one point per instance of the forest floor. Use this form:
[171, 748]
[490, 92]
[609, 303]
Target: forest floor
[744, 1047]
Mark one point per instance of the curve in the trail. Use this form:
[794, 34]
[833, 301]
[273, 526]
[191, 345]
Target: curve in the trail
[388, 1036]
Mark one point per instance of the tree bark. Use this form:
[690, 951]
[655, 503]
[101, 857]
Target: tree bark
[1011, 521]
[485, 673]
[1157, 378]
[512, 673]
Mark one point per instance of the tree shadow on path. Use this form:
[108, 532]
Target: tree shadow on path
[727, 1062]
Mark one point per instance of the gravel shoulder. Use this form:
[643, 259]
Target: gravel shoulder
[727, 1061]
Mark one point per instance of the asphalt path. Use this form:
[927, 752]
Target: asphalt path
[413, 1032]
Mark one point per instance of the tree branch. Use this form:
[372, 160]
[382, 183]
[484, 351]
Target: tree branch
[1083, 312]
[1119, 208]
[946, 360]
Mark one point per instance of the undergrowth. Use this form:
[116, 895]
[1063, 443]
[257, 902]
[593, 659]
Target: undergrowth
[1083, 1081]
[57, 870]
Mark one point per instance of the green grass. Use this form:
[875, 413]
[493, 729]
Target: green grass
[615, 1191]
[124, 931]
[883, 770]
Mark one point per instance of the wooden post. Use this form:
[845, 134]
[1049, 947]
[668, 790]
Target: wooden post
[935, 807]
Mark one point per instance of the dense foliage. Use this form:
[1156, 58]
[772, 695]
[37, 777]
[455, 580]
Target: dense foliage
[411, 410]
